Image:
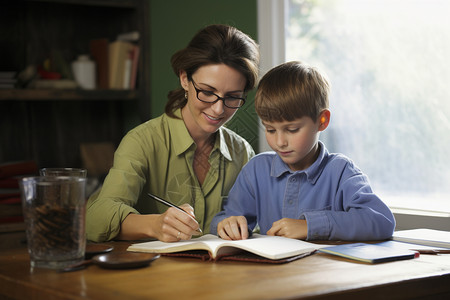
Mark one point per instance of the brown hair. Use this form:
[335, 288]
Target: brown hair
[291, 91]
[215, 44]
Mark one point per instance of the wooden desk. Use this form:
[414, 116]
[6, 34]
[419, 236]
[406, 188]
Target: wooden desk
[316, 276]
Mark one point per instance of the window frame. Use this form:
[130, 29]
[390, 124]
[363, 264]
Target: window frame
[272, 16]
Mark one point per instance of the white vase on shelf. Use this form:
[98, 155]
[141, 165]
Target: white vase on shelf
[84, 72]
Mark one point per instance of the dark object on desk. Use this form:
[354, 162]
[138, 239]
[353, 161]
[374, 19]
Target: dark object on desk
[96, 249]
[369, 253]
[116, 260]
[124, 260]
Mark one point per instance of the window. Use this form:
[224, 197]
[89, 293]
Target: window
[387, 63]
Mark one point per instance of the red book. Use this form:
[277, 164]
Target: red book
[11, 200]
[18, 168]
[9, 194]
[134, 67]
[10, 183]
[12, 219]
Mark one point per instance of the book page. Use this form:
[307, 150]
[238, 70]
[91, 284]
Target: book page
[206, 242]
[271, 247]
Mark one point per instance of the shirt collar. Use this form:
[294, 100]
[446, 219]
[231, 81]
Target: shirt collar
[179, 133]
[221, 144]
[279, 167]
[184, 140]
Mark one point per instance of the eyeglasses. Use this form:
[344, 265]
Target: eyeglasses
[210, 97]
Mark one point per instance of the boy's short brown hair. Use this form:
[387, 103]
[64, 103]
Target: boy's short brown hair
[291, 91]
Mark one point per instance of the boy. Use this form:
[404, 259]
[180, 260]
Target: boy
[301, 190]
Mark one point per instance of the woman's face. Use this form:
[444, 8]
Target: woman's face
[202, 119]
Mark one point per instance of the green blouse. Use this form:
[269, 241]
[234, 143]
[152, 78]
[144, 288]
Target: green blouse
[157, 157]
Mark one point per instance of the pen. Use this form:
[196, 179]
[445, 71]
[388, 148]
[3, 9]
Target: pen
[440, 251]
[167, 203]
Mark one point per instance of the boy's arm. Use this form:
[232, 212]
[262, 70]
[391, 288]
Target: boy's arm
[356, 212]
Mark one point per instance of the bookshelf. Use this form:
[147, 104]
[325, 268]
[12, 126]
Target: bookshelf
[48, 125]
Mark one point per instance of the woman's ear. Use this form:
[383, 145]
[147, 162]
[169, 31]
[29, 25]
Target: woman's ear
[184, 81]
[324, 119]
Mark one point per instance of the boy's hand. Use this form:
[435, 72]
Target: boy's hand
[290, 228]
[233, 228]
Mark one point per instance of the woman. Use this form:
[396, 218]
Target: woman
[185, 156]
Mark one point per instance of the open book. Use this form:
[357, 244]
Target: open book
[261, 248]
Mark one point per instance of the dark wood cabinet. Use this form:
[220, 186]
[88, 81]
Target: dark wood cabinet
[48, 125]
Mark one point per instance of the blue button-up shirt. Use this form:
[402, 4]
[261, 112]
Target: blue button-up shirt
[333, 195]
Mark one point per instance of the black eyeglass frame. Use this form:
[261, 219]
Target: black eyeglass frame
[218, 97]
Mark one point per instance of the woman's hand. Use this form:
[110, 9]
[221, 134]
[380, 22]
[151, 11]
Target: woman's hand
[233, 228]
[171, 226]
[174, 225]
[290, 228]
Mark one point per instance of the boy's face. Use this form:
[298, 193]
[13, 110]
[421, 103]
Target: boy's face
[296, 142]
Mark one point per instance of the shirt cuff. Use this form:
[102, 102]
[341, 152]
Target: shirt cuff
[215, 222]
[318, 225]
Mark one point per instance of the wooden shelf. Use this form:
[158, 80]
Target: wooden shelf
[62, 94]
[105, 3]
[49, 125]
[34, 34]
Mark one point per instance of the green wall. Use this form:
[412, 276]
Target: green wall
[173, 24]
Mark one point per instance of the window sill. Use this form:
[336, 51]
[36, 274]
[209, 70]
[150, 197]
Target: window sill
[419, 211]
[413, 218]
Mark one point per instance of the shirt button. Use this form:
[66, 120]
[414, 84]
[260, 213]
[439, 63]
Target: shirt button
[293, 180]
[290, 201]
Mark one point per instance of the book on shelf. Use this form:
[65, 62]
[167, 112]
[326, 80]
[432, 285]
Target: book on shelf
[10, 208]
[6, 194]
[423, 236]
[132, 36]
[10, 182]
[131, 65]
[7, 75]
[258, 248]
[134, 56]
[15, 168]
[370, 253]
[123, 57]
[99, 52]
[10, 204]
[127, 69]
[8, 80]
